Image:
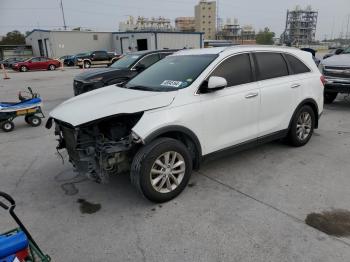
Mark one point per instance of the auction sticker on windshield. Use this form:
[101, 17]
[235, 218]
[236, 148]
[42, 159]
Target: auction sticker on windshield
[171, 83]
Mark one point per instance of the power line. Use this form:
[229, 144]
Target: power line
[28, 8]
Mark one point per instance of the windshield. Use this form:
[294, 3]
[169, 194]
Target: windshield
[346, 51]
[125, 62]
[171, 73]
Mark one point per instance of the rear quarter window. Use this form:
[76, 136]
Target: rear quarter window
[296, 65]
[270, 65]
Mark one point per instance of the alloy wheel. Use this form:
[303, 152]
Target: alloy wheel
[167, 172]
[304, 126]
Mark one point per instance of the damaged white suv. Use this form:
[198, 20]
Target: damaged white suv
[162, 123]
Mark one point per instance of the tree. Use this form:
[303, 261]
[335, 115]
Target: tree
[265, 37]
[13, 38]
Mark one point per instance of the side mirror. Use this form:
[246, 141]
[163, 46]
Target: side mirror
[339, 51]
[29, 61]
[140, 67]
[216, 83]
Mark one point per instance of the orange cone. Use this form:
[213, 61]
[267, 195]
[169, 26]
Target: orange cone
[4, 71]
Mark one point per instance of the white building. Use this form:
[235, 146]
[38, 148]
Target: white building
[60, 43]
[152, 40]
[144, 23]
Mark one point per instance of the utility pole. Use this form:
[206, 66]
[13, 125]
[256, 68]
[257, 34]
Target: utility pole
[217, 17]
[64, 20]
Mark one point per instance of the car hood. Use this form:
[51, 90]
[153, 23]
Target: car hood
[337, 60]
[88, 74]
[108, 101]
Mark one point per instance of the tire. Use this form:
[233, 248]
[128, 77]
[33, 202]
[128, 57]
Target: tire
[302, 126]
[23, 69]
[26, 119]
[87, 64]
[7, 126]
[52, 67]
[145, 160]
[34, 121]
[329, 97]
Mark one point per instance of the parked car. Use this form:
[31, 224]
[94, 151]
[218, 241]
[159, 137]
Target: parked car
[120, 71]
[190, 105]
[11, 63]
[72, 60]
[97, 58]
[336, 70]
[36, 63]
[333, 52]
[68, 60]
[7, 62]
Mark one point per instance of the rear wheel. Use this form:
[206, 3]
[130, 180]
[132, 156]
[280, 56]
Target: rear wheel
[329, 97]
[302, 127]
[161, 169]
[34, 121]
[23, 69]
[7, 126]
[52, 67]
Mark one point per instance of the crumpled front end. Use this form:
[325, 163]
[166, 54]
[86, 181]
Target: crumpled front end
[100, 148]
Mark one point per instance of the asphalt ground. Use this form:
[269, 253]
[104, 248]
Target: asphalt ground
[250, 206]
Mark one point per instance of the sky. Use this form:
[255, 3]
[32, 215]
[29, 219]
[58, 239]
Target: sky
[105, 15]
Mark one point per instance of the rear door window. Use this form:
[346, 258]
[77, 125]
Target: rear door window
[270, 65]
[236, 70]
[296, 65]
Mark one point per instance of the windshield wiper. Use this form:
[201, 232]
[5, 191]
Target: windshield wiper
[143, 88]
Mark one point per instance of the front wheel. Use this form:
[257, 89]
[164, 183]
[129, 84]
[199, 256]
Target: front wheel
[87, 64]
[302, 126]
[23, 69]
[329, 97]
[161, 169]
[7, 126]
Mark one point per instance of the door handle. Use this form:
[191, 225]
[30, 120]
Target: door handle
[251, 95]
[295, 85]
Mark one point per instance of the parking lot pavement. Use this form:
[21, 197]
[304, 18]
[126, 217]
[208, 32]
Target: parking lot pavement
[250, 206]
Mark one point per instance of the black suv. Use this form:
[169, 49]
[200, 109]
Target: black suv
[122, 70]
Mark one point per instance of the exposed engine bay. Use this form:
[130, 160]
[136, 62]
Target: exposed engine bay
[102, 147]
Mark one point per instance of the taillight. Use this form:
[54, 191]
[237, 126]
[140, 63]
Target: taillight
[323, 79]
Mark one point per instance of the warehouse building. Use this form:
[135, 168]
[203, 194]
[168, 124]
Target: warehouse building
[124, 42]
[60, 43]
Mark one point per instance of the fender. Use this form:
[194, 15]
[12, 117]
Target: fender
[181, 130]
[314, 107]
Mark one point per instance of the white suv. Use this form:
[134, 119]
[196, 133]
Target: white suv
[192, 104]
